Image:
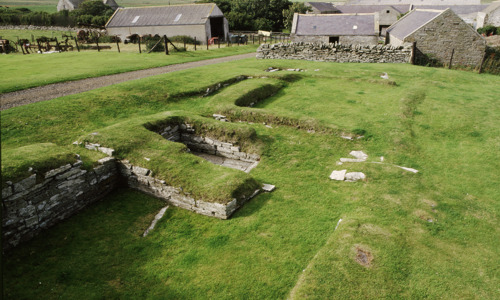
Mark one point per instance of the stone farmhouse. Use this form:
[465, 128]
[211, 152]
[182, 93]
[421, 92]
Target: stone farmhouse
[489, 16]
[440, 35]
[200, 21]
[335, 28]
[388, 14]
[73, 4]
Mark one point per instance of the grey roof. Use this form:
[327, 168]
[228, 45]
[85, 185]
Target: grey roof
[458, 9]
[411, 22]
[322, 6]
[190, 14]
[335, 24]
[357, 9]
[422, 2]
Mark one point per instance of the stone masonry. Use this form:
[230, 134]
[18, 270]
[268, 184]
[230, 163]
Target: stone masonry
[337, 52]
[40, 201]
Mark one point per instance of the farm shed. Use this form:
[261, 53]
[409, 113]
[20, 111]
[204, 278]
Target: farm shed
[420, 2]
[441, 35]
[489, 16]
[335, 28]
[468, 13]
[195, 20]
[73, 4]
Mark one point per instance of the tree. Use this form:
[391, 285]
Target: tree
[296, 7]
[93, 8]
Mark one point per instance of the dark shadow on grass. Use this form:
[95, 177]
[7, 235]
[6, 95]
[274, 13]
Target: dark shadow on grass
[252, 206]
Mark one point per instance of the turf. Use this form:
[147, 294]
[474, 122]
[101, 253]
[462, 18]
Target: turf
[35, 70]
[427, 235]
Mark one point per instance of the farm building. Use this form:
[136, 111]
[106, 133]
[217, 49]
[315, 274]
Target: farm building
[468, 13]
[73, 4]
[322, 8]
[490, 15]
[335, 28]
[441, 35]
[419, 2]
[200, 21]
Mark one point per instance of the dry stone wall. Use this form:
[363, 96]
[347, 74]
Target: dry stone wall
[337, 52]
[40, 201]
[142, 179]
[184, 133]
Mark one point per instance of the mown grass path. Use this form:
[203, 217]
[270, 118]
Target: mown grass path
[56, 90]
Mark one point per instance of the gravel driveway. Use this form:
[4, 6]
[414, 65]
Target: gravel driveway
[51, 91]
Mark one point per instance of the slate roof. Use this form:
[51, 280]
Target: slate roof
[357, 9]
[322, 6]
[411, 22]
[191, 14]
[458, 9]
[422, 2]
[335, 24]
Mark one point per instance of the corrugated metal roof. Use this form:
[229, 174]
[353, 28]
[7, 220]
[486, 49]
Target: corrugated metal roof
[164, 15]
[356, 9]
[458, 9]
[411, 22]
[335, 24]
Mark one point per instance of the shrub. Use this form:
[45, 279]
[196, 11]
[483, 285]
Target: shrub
[152, 41]
[182, 38]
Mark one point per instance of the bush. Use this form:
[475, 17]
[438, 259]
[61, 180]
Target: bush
[152, 41]
[488, 30]
[182, 38]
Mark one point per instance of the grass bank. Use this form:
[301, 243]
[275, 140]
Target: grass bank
[402, 235]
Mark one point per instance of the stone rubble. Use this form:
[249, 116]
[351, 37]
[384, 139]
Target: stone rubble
[158, 216]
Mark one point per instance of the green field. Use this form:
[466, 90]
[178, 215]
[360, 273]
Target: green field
[32, 70]
[432, 235]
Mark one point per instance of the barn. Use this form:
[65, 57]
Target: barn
[440, 35]
[200, 21]
[335, 28]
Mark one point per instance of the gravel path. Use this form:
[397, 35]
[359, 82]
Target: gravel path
[56, 90]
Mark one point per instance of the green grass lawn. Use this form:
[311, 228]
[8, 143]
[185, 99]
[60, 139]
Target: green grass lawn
[433, 234]
[32, 70]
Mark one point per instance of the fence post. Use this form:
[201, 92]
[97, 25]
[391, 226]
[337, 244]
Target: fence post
[184, 40]
[207, 42]
[97, 43]
[413, 52]
[58, 46]
[117, 44]
[227, 38]
[451, 58]
[194, 43]
[218, 42]
[76, 43]
[140, 51]
[482, 62]
[166, 44]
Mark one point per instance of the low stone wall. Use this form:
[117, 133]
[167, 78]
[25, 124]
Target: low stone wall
[142, 179]
[336, 52]
[184, 133]
[40, 201]
[33, 27]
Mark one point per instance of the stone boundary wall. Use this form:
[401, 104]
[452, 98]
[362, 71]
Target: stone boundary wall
[40, 201]
[184, 133]
[141, 179]
[33, 27]
[336, 52]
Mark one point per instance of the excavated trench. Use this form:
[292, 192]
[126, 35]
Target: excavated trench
[214, 151]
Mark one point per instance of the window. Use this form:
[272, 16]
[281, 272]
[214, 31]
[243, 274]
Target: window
[135, 19]
[177, 18]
